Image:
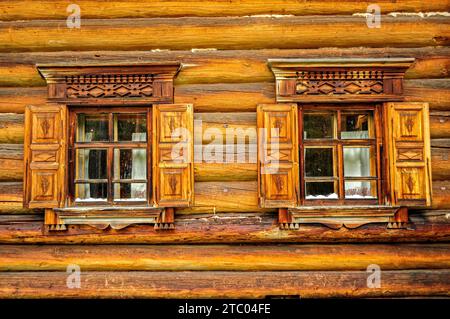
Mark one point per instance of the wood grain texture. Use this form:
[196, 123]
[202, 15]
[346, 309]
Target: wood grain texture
[229, 228]
[223, 257]
[221, 97]
[234, 284]
[440, 124]
[409, 153]
[11, 162]
[217, 66]
[20, 10]
[223, 33]
[11, 168]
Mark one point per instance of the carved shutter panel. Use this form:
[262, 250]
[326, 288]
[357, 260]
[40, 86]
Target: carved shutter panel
[45, 156]
[277, 155]
[409, 153]
[173, 170]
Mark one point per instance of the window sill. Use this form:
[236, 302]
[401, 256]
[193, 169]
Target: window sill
[103, 217]
[99, 208]
[336, 217]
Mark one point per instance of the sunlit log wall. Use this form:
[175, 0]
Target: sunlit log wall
[224, 47]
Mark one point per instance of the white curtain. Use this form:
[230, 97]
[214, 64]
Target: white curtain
[139, 165]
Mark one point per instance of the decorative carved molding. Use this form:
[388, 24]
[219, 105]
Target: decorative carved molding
[113, 217]
[135, 83]
[109, 86]
[339, 80]
[347, 217]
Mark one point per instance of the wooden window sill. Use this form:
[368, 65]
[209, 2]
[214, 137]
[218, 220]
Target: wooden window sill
[336, 217]
[103, 217]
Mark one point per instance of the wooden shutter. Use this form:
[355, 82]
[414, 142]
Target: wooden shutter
[409, 153]
[173, 170]
[45, 156]
[277, 155]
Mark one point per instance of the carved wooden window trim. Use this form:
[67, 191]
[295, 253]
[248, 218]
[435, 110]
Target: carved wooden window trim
[114, 86]
[303, 83]
[332, 80]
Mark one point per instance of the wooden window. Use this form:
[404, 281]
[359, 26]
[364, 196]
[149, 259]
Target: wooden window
[347, 165]
[110, 152]
[109, 148]
[340, 152]
[364, 156]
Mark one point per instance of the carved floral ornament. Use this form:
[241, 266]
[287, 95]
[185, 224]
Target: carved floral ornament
[338, 80]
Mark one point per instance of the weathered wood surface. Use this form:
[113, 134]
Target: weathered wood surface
[230, 228]
[440, 124]
[225, 284]
[17, 10]
[222, 97]
[434, 92]
[11, 162]
[211, 66]
[222, 257]
[223, 33]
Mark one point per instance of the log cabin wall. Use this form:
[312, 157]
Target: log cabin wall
[224, 47]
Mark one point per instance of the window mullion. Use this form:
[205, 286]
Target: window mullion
[110, 163]
[340, 157]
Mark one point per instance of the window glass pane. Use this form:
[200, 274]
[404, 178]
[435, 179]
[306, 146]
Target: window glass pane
[318, 125]
[130, 163]
[92, 128]
[319, 162]
[357, 125]
[130, 191]
[359, 162]
[91, 164]
[91, 192]
[130, 127]
[360, 190]
[321, 190]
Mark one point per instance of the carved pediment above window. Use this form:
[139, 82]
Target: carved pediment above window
[339, 80]
[140, 82]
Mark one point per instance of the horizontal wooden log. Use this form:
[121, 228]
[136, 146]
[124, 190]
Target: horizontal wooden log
[11, 162]
[225, 284]
[228, 128]
[231, 66]
[207, 172]
[440, 164]
[222, 257]
[217, 197]
[230, 228]
[53, 10]
[439, 124]
[441, 194]
[223, 33]
[11, 128]
[237, 97]
[435, 92]
[13, 100]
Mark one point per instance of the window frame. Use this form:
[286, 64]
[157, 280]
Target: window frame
[337, 145]
[73, 111]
